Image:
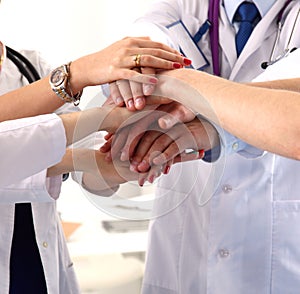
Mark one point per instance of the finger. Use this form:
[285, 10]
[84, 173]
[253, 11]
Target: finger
[106, 146]
[130, 146]
[162, 51]
[115, 94]
[108, 136]
[148, 89]
[177, 113]
[138, 95]
[140, 161]
[154, 173]
[176, 141]
[170, 152]
[142, 179]
[126, 93]
[167, 167]
[118, 142]
[136, 130]
[156, 59]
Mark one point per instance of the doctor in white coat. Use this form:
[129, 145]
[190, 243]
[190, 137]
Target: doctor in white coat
[30, 225]
[246, 238]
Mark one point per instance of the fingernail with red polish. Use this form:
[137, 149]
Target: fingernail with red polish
[187, 61]
[166, 170]
[142, 182]
[177, 65]
[201, 153]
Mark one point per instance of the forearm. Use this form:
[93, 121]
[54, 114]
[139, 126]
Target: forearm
[32, 100]
[74, 159]
[264, 118]
[287, 84]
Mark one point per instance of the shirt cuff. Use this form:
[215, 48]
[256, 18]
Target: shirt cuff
[229, 144]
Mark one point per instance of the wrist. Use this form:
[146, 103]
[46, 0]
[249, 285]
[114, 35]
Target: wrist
[60, 84]
[64, 166]
[76, 81]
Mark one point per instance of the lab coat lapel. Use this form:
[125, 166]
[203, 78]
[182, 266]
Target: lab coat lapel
[261, 32]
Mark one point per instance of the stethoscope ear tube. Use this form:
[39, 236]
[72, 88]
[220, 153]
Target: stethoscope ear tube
[23, 64]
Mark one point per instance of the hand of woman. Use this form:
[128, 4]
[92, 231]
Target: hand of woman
[117, 62]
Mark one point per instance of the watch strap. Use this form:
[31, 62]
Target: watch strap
[64, 91]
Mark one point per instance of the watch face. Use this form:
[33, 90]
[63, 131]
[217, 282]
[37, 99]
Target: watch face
[57, 77]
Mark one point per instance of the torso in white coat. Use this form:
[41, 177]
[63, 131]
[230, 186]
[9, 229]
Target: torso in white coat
[41, 192]
[246, 238]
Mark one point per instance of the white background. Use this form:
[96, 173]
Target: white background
[65, 29]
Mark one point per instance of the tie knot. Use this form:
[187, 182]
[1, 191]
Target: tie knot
[247, 12]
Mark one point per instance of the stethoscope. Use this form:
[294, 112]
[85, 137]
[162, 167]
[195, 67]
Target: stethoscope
[287, 50]
[212, 24]
[23, 64]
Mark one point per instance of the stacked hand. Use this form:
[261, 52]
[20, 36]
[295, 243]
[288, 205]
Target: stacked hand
[168, 134]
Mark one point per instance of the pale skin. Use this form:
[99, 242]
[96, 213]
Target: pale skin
[266, 115]
[147, 145]
[100, 175]
[216, 90]
[112, 63]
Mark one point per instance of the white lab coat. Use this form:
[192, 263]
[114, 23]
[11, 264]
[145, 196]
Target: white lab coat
[39, 190]
[38, 136]
[246, 238]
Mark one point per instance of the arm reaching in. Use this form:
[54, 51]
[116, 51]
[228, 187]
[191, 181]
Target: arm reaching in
[266, 118]
[115, 62]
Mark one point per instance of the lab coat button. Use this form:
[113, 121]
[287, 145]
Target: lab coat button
[45, 244]
[227, 189]
[235, 146]
[223, 253]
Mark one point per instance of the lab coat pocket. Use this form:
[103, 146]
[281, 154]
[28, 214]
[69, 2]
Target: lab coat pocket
[285, 265]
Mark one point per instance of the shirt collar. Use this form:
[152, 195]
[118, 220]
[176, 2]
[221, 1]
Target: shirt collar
[231, 6]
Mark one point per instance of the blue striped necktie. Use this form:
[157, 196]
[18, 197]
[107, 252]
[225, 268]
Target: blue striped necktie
[246, 14]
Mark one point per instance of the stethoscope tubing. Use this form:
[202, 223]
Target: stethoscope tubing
[213, 17]
[23, 64]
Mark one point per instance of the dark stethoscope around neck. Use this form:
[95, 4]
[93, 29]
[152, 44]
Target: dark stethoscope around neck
[213, 26]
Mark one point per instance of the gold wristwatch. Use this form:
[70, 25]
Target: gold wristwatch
[60, 84]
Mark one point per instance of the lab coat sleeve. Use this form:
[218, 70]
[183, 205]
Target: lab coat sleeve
[29, 146]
